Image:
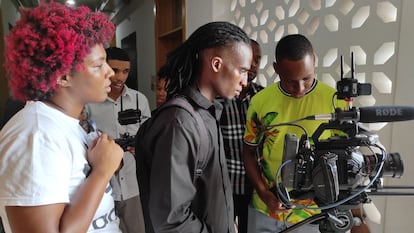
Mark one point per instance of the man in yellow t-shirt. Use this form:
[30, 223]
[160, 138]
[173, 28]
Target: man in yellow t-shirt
[297, 95]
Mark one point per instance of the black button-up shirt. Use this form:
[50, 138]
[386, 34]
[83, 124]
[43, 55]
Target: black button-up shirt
[177, 203]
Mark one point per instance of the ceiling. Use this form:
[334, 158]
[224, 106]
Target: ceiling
[109, 7]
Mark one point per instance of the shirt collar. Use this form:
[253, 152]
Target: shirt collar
[315, 81]
[215, 108]
[126, 92]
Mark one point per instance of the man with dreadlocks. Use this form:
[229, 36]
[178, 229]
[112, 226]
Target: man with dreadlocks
[54, 177]
[213, 61]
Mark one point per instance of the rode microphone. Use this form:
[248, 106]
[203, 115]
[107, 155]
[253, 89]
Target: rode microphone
[372, 114]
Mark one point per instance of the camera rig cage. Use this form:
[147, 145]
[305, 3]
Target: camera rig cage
[339, 171]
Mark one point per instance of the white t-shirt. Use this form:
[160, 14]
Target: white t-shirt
[43, 161]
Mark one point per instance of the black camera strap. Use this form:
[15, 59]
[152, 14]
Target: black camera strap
[122, 104]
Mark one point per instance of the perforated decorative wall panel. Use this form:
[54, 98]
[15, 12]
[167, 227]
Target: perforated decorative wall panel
[336, 28]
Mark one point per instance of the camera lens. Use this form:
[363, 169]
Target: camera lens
[393, 166]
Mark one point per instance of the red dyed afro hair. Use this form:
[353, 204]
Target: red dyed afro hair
[48, 41]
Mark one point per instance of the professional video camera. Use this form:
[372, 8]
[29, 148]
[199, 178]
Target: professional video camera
[127, 117]
[336, 172]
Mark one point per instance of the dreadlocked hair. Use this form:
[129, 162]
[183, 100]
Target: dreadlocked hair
[182, 65]
[49, 41]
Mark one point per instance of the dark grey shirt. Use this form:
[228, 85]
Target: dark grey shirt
[177, 203]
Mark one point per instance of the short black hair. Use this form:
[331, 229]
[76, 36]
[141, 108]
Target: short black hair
[115, 53]
[253, 41]
[293, 47]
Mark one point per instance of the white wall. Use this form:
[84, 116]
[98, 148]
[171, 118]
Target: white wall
[196, 17]
[397, 211]
[199, 12]
[9, 13]
[141, 21]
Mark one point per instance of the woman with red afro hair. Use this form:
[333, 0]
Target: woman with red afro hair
[53, 175]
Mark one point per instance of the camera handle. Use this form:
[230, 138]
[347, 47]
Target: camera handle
[122, 105]
[351, 129]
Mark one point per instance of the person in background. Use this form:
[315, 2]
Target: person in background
[54, 177]
[213, 61]
[161, 93]
[298, 94]
[105, 115]
[233, 123]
